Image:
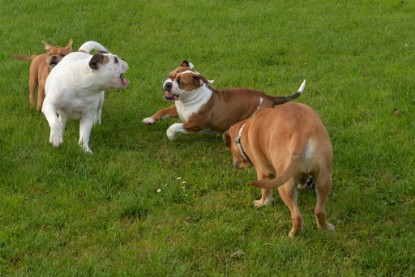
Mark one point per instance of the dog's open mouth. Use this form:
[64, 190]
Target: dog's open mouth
[124, 82]
[52, 64]
[170, 96]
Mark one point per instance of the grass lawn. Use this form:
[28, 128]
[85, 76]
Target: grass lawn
[144, 206]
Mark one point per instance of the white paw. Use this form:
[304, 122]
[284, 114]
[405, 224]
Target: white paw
[171, 135]
[261, 203]
[56, 138]
[97, 120]
[148, 120]
[87, 149]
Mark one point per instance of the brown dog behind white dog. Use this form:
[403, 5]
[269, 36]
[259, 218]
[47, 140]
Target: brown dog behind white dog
[40, 68]
[286, 145]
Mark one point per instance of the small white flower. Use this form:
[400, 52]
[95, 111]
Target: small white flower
[159, 190]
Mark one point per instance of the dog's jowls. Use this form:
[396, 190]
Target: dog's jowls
[286, 145]
[75, 90]
[202, 108]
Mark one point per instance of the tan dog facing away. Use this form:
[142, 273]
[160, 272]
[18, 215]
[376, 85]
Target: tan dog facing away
[40, 68]
[205, 109]
[286, 145]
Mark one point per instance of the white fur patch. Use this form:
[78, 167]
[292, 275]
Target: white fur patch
[301, 89]
[191, 101]
[174, 129]
[308, 150]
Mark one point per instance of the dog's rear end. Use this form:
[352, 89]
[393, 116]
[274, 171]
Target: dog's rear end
[286, 145]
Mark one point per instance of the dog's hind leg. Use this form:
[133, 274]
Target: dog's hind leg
[323, 187]
[288, 193]
[85, 127]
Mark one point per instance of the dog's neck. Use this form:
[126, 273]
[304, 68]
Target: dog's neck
[191, 102]
[199, 95]
[239, 144]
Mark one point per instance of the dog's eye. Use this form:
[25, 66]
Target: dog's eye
[62, 54]
[116, 60]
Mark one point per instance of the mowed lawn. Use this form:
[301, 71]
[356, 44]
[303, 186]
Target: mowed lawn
[142, 205]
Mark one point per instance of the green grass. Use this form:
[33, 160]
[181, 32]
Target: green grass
[144, 206]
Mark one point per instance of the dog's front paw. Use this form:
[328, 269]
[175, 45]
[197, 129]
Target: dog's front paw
[327, 226]
[171, 135]
[293, 234]
[56, 138]
[261, 203]
[97, 119]
[174, 129]
[87, 149]
[148, 120]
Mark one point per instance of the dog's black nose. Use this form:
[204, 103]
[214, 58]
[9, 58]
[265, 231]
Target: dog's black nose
[168, 86]
[54, 59]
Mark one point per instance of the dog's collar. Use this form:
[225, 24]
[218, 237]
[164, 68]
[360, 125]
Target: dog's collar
[257, 108]
[239, 144]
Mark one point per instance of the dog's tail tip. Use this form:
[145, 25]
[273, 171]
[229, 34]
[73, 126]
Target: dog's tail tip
[301, 89]
[88, 46]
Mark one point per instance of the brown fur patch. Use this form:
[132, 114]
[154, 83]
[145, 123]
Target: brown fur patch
[105, 59]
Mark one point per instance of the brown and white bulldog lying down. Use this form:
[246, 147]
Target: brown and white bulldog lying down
[205, 109]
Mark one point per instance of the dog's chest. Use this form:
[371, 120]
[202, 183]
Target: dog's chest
[185, 111]
[190, 105]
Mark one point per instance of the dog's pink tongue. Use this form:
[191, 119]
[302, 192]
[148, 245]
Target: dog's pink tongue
[168, 94]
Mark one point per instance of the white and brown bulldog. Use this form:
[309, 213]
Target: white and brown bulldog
[286, 145]
[205, 109]
[75, 90]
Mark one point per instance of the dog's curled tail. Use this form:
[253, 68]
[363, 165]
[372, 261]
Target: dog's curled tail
[281, 179]
[88, 46]
[284, 99]
[26, 58]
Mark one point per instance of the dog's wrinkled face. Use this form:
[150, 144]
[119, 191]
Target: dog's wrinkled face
[231, 140]
[56, 53]
[184, 84]
[168, 84]
[109, 70]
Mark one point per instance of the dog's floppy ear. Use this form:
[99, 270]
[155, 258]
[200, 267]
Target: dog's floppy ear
[199, 79]
[188, 64]
[227, 139]
[96, 61]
